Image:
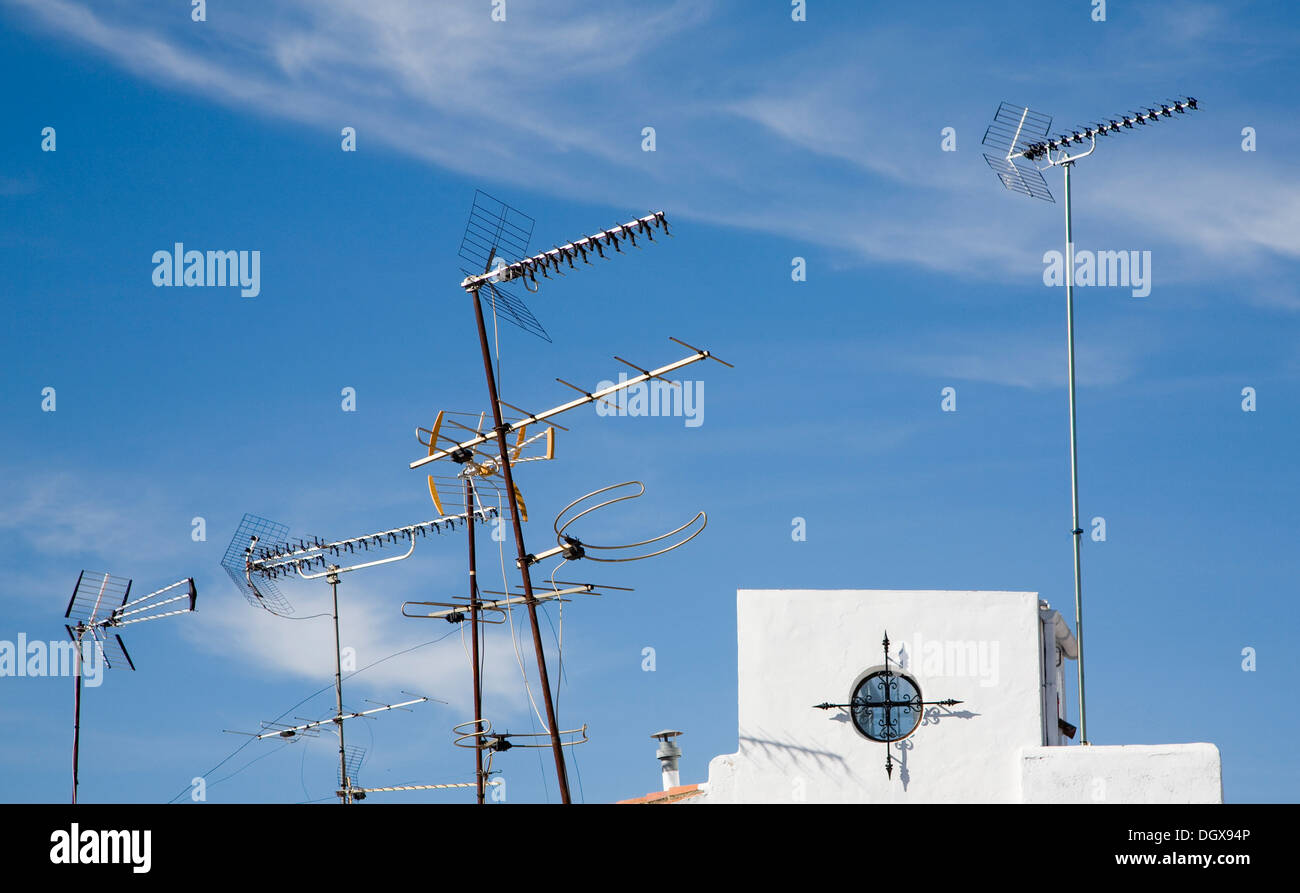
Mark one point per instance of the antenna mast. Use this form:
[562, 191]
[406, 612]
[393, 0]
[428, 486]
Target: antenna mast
[493, 225]
[474, 634]
[1020, 134]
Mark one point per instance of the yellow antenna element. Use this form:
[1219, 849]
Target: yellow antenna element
[433, 436]
[433, 493]
[432, 432]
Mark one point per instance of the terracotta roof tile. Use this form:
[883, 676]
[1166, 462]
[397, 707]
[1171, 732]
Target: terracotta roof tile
[672, 795]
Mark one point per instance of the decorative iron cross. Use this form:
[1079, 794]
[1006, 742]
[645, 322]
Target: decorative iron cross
[887, 707]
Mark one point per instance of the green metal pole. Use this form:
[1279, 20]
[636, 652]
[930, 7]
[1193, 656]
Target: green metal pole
[1076, 530]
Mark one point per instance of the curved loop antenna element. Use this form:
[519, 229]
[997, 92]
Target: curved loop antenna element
[571, 547]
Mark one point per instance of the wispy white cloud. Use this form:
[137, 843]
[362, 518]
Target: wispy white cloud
[373, 629]
[63, 514]
[800, 141]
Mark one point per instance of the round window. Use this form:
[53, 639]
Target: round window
[886, 705]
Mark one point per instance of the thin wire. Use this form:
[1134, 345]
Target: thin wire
[582, 795]
[188, 788]
[308, 617]
[302, 770]
[559, 637]
[564, 678]
[254, 760]
[514, 639]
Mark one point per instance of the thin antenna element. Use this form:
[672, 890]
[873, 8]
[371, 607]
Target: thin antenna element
[1018, 135]
[92, 607]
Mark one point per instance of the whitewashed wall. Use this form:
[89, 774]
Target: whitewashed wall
[1133, 773]
[798, 648]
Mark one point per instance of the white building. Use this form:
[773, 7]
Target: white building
[1003, 655]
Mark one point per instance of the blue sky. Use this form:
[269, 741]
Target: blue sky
[774, 140]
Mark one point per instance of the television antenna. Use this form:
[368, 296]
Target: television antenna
[1019, 135]
[496, 229]
[281, 557]
[96, 620]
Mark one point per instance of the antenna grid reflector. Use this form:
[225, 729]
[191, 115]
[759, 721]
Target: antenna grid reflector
[1021, 176]
[495, 229]
[1015, 128]
[510, 307]
[264, 594]
[96, 595]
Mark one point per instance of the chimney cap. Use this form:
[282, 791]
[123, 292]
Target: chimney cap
[666, 734]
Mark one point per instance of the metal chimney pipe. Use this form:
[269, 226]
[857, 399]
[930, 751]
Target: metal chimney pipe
[668, 753]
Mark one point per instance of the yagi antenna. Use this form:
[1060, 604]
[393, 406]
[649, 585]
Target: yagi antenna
[313, 559]
[101, 604]
[248, 557]
[351, 756]
[515, 427]
[562, 257]
[1020, 138]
